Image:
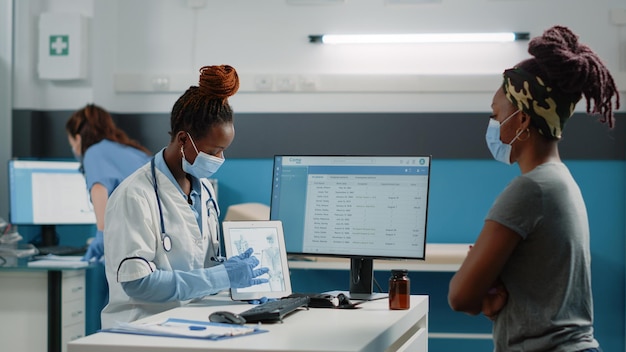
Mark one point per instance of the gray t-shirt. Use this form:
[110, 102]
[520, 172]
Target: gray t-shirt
[548, 275]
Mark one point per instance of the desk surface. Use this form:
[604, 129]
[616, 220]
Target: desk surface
[372, 328]
[25, 264]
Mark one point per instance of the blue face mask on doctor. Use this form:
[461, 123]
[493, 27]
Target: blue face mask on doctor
[500, 151]
[204, 166]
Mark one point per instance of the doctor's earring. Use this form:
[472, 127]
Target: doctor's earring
[519, 132]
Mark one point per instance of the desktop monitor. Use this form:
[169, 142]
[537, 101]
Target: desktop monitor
[48, 193]
[360, 207]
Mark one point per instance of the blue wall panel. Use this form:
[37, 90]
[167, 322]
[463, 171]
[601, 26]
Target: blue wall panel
[244, 180]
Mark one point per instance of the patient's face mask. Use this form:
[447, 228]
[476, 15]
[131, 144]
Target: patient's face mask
[76, 156]
[204, 166]
[500, 151]
[75, 144]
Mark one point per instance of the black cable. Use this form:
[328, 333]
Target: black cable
[380, 289]
[356, 272]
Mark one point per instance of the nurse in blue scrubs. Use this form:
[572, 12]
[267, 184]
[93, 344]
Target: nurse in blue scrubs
[107, 156]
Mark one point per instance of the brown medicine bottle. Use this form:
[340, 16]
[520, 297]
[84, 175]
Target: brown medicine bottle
[399, 289]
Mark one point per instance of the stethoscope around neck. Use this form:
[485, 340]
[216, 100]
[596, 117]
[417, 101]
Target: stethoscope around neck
[166, 240]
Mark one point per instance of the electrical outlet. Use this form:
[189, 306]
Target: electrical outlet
[308, 83]
[264, 82]
[161, 83]
[286, 83]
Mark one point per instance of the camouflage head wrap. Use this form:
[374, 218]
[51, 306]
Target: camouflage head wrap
[547, 108]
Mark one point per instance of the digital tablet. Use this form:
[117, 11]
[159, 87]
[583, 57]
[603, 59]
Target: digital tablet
[268, 242]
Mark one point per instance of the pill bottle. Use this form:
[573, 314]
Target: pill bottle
[399, 289]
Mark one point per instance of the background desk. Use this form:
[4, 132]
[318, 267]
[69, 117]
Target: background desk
[442, 257]
[41, 309]
[372, 328]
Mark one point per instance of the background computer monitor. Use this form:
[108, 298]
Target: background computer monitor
[360, 207]
[48, 193]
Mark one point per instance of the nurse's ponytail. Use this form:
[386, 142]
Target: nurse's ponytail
[206, 105]
[93, 124]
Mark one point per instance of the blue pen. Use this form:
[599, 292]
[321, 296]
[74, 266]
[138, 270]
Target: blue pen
[197, 327]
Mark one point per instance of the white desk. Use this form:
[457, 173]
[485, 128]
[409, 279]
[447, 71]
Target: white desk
[372, 328]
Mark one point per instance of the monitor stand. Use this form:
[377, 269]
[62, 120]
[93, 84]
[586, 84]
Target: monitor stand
[49, 236]
[362, 280]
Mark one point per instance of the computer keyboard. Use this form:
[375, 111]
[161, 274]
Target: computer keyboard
[273, 311]
[61, 250]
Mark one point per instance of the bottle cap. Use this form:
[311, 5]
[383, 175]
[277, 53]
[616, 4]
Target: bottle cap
[399, 271]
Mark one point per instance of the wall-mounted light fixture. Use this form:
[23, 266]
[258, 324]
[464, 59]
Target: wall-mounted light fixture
[418, 38]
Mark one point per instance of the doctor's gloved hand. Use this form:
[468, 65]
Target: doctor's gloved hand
[261, 300]
[241, 272]
[95, 251]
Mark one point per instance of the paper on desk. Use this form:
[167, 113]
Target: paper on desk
[61, 258]
[172, 327]
[53, 263]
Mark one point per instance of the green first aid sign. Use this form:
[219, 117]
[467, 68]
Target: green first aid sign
[59, 45]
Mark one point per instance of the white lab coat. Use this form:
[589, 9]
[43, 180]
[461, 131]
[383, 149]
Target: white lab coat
[133, 241]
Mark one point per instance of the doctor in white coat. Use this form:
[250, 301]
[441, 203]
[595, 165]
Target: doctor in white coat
[161, 232]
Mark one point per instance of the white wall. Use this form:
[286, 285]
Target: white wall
[134, 42]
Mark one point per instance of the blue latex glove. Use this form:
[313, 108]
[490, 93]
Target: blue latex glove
[241, 272]
[261, 300]
[95, 251]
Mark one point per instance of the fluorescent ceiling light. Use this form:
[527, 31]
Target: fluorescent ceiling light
[418, 38]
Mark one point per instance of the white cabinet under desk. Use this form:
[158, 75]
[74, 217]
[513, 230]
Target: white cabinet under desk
[72, 307]
[41, 309]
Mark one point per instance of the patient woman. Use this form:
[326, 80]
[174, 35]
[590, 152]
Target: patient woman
[529, 270]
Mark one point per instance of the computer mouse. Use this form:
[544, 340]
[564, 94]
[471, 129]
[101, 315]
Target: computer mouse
[226, 317]
[344, 302]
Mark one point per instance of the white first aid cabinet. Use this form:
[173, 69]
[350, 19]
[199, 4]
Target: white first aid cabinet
[62, 46]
